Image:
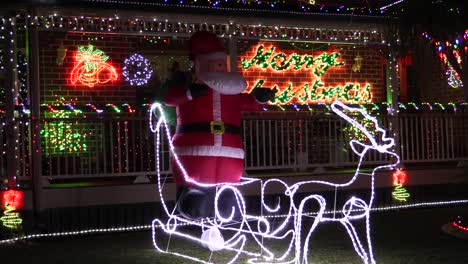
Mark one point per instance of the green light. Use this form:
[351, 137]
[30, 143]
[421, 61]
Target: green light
[11, 219]
[400, 193]
[349, 93]
[93, 53]
[64, 136]
[280, 61]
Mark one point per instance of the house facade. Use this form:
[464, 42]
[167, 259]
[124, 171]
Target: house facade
[78, 82]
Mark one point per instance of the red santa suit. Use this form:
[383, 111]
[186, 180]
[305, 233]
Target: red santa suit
[208, 135]
[207, 139]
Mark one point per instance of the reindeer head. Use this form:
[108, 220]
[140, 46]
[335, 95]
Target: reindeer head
[382, 144]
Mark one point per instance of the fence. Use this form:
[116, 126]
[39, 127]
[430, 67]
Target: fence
[110, 146]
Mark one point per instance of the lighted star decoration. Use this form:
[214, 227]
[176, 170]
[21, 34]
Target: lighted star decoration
[137, 70]
[91, 68]
[288, 229]
[12, 201]
[399, 179]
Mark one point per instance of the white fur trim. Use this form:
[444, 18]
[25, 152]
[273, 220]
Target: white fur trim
[212, 151]
[218, 138]
[224, 82]
[189, 95]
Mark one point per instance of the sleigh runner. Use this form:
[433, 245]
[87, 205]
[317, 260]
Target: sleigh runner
[293, 229]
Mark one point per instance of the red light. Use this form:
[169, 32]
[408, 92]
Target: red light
[454, 223]
[13, 198]
[91, 67]
[399, 177]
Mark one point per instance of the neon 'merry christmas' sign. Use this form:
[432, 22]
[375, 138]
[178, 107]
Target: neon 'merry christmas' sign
[294, 228]
[309, 91]
[91, 67]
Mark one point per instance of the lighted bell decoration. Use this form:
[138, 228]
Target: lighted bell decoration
[61, 53]
[357, 63]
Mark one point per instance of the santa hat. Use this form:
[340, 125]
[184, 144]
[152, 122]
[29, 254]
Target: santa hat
[206, 45]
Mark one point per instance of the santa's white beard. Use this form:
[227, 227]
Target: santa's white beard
[224, 82]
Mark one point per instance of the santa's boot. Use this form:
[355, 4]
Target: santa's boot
[194, 203]
[212, 239]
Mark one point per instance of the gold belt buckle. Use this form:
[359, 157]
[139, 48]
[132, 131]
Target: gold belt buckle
[217, 127]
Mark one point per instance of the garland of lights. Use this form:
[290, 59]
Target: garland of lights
[316, 91]
[90, 67]
[137, 70]
[258, 228]
[374, 108]
[378, 108]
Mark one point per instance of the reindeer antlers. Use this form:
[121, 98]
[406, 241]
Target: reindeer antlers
[339, 108]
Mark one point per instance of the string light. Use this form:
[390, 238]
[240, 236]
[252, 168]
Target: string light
[148, 227]
[276, 63]
[65, 135]
[391, 4]
[137, 70]
[377, 108]
[273, 6]
[261, 228]
[457, 225]
[444, 49]
[228, 29]
[90, 67]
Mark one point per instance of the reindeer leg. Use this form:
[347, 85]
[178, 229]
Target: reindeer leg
[369, 240]
[355, 239]
[303, 247]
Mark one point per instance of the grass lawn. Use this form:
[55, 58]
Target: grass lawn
[407, 236]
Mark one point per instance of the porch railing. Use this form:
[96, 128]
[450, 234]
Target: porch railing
[103, 146]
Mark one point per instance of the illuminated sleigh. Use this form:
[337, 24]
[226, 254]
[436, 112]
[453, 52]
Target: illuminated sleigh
[266, 231]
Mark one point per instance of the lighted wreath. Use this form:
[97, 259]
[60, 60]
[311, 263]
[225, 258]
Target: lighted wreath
[137, 70]
[91, 67]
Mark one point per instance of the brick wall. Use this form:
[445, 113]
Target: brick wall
[56, 83]
[440, 91]
[55, 79]
[371, 71]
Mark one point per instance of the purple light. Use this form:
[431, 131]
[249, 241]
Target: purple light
[137, 70]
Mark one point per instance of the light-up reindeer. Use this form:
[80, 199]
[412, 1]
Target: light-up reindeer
[354, 208]
[290, 229]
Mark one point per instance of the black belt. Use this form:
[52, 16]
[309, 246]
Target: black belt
[215, 127]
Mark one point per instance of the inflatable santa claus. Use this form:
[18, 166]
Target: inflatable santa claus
[207, 140]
